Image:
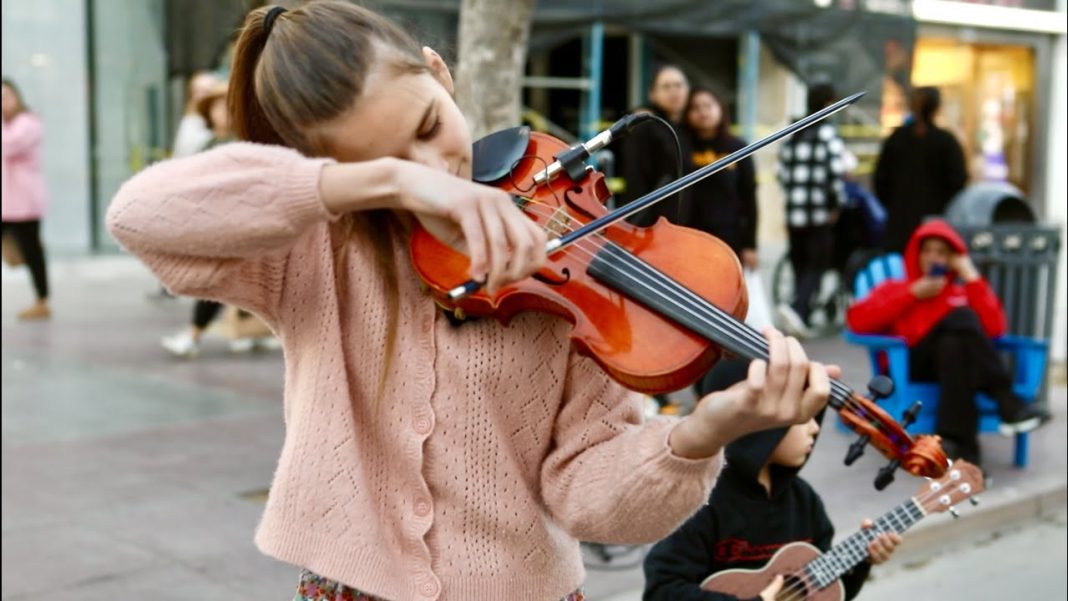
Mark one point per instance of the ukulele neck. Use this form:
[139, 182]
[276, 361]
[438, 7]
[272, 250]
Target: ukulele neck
[841, 558]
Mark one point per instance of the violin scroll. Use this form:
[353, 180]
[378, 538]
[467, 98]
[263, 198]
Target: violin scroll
[922, 456]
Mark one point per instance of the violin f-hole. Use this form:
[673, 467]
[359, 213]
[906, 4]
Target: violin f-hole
[577, 207]
[560, 281]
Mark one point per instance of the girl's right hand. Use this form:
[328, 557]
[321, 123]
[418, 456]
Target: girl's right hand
[504, 245]
[772, 590]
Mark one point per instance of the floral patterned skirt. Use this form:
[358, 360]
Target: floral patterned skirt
[313, 587]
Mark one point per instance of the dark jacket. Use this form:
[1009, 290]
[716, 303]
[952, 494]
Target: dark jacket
[916, 176]
[649, 160]
[723, 204]
[742, 526]
[891, 307]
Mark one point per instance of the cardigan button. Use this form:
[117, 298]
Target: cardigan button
[422, 508]
[421, 425]
[430, 587]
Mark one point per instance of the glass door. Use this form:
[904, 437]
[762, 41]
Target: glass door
[128, 78]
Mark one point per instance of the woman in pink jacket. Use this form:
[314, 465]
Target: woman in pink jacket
[24, 192]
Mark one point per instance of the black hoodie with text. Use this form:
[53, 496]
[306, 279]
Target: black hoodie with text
[742, 526]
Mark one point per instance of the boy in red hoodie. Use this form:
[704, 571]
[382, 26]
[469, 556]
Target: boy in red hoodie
[947, 314]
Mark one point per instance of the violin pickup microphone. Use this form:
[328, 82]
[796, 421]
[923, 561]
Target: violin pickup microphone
[573, 160]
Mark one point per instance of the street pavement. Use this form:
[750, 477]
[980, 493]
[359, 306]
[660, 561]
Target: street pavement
[128, 473]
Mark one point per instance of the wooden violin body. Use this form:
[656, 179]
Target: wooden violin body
[632, 343]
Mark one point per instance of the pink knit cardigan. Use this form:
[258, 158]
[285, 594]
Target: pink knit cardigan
[444, 462]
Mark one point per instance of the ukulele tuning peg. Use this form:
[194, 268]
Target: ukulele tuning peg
[953, 512]
[973, 500]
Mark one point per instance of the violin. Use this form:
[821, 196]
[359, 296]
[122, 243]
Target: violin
[654, 307]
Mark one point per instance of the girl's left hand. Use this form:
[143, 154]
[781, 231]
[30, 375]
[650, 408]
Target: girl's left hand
[880, 549]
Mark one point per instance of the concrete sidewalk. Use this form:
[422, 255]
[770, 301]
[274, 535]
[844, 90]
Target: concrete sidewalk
[127, 473]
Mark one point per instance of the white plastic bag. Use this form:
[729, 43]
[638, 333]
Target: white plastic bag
[759, 315]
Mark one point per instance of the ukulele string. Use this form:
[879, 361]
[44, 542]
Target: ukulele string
[798, 578]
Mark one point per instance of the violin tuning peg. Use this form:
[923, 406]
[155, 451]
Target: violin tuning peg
[953, 512]
[886, 474]
[911, 414]
[973, 500]
[880, 387]
[856, 449]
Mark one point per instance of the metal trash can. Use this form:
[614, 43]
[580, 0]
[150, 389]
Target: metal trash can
[1014, 253]
[987, 203]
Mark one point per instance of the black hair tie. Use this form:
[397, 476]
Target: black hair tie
[270, 17]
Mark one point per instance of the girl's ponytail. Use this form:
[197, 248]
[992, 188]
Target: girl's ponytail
[248, 119]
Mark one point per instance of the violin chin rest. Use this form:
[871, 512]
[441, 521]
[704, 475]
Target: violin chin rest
[493, 156]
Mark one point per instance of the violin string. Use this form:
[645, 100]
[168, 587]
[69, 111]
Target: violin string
[798, 590]
[742, 332]
[756, 343]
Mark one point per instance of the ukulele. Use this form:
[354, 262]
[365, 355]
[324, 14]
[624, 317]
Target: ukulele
[813, 576]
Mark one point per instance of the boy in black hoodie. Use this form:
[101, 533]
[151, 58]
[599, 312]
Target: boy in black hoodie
[759, 504]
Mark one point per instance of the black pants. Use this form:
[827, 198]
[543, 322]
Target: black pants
[204, 312]
[28, 237]
[811, 252]
[959, 355]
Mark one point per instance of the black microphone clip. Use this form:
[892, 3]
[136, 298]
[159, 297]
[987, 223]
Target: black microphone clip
[573, 160]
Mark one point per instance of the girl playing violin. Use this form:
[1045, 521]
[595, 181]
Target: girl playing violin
[421, 460]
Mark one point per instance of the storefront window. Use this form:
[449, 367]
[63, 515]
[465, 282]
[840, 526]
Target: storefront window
[987, 101]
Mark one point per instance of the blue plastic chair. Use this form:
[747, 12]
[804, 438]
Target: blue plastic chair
[1028, 354]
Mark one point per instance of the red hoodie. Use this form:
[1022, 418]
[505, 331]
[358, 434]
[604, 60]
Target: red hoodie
[891, 307]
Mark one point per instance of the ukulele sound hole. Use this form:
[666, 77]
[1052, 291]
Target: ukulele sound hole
[793, 589]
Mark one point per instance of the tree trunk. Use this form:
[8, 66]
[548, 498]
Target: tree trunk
[493, 40]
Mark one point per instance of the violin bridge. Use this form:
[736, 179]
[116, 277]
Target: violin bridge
[559, 224]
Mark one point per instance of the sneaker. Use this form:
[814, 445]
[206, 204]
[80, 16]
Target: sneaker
[1025, 419]
[161, 294]
[792, 323]
[671, 408]
[34, 312]
[242, 345]
[181, 344]
[268, 343]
